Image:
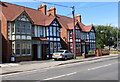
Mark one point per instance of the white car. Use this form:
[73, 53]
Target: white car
[62, 54]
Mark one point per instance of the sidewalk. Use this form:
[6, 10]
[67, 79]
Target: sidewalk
[34, 65]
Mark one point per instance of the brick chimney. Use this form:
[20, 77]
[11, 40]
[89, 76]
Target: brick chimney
[78, 17]
[52, 11]
[43, 8]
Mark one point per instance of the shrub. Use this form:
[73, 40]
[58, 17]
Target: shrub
[91, 52]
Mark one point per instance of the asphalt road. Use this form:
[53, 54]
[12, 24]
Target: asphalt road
[106, 69]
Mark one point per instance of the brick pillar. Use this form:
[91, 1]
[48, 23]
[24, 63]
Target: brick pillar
[101, 52]
[97, 52]
[84, 55]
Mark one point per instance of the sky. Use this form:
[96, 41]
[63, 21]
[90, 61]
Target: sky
[96, 13]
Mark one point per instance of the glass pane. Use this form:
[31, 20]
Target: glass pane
[51, 31]
[28, 51]
[54, 31]
[55, 45]
[17, 51]
[51, 47]
[59, 51]
[23, 51]
[17, 46]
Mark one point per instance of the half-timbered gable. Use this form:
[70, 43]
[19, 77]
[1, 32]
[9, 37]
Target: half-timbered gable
[92, 39]
[19, 31]
[53, 35]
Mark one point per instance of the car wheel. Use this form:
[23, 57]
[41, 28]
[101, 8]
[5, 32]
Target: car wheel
[72, 57]
[55, 59]
[65, 58]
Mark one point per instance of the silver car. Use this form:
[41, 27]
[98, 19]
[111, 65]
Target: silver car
[62, 54]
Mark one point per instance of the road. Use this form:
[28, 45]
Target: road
[101, 69]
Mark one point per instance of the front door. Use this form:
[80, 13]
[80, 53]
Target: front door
[87, 48]
[83, 48]
[34, 50]
[44, 51]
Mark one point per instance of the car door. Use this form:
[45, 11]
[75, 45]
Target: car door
[67, 54]
[71, 54]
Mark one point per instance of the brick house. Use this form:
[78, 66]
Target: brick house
[85, 38]
[28, 34]
[31, 34]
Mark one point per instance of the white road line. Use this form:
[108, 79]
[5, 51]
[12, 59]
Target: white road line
[99, 67]
[61, 76]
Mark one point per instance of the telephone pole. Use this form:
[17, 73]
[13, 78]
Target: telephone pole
[74, 44]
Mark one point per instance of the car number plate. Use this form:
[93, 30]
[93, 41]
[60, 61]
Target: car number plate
[56, 54]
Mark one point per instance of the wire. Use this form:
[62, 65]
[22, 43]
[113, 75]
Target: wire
[53, 4]
[95, 6]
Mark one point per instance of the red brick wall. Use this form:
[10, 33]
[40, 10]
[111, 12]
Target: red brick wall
[64, 35]
[23, 58]
[6, 44]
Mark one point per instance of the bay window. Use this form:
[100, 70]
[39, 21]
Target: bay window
[23, 28]
[23, 48]
[53, 34]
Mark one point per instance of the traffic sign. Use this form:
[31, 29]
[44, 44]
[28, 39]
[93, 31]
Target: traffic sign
[118, 43]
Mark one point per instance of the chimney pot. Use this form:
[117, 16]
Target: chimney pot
[42, 8]
[52, 11]
[78, 17]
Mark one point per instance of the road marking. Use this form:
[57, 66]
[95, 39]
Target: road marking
[61, 76]
[99, 67]
[24, 72]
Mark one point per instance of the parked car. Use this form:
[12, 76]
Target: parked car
[62, 54]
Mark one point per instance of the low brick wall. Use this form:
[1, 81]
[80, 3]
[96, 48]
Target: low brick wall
[23, 58]
[97, 52]
[78, 54]
[100, 52]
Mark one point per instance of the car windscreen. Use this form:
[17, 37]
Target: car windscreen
[59, 51]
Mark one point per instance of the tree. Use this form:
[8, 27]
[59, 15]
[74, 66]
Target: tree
[105, 36]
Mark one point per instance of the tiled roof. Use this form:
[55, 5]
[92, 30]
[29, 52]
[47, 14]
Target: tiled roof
[11, 12]
[87, 28]
[67, 22]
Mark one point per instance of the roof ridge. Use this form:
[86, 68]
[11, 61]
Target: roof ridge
[64, 16]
